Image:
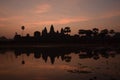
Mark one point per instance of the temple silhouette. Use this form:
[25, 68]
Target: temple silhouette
[91, 36]
[46, 36]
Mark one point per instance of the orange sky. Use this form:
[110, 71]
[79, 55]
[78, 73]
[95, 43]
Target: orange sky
[78, 14]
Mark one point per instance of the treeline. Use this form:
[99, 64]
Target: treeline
[63, 36]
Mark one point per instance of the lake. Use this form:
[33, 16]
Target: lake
[60, 63]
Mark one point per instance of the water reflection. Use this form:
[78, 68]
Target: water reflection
[64, 53]
[94, 62]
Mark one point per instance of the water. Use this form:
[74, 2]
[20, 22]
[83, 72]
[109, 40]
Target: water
[63, 63]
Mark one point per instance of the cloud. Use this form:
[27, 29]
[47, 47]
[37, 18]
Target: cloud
[3, 19]
[106, 15]
[111, 14]
[70, 20]
[12, 18]
[61, 21]
[42, 8]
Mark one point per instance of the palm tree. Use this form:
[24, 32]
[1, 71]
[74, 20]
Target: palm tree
[22, 27]
[67, 30]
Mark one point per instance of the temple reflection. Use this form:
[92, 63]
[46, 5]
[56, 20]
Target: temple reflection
[64, 53]
[94, 62]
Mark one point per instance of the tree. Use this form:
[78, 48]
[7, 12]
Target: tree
[67, 30]
[112, 32]
[104, 31]
[81, 32]
[95, 31]
[22, 27]
[88, 33]
[117, 35]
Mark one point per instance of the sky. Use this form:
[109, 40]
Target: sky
[77, 14]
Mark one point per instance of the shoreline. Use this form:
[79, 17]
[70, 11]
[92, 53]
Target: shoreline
[72, 45]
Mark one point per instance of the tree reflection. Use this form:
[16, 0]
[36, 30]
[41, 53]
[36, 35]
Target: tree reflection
[64, 53]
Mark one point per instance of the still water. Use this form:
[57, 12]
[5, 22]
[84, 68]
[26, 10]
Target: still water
[60, 63]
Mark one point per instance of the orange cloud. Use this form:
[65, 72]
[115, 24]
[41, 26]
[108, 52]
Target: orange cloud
[11, 18]
[3, 19]
[42, 8]
[107, 15]
[111, 14]
[70, 20]
[61, 21]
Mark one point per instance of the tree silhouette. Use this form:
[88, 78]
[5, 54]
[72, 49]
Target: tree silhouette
[23, 28]
[81, 32]
[95, 31]
[88, 33]
[117, 35]
[67, 30]
[112, 32]
[104, 32]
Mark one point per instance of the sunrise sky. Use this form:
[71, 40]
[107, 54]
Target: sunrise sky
[37, 14]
